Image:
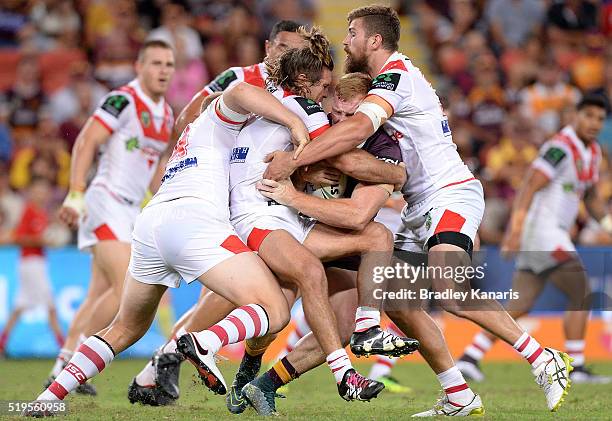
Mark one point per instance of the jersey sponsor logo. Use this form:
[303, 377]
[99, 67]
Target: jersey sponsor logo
[554, 156]
[388, 160]
[132, 144]
[115, 104]
[446, 131]
[309, 105]
[568, 187]
[180, 166]
[239, 155]
[388, 81]
[223, 81]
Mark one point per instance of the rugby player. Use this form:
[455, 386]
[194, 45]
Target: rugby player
[545, 210]
[444, 203]
[131, 128]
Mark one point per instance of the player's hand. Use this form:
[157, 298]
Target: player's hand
[72, 208]
[280, 191]
[281, 165]
[299, 137]
[319, 174]
[399, 186]
[510, 244]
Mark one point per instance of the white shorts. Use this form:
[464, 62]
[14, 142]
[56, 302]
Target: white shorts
[254, 227]
[34, 285]
[107, 217]
[544, 246]
[457, 208]
[180, 239]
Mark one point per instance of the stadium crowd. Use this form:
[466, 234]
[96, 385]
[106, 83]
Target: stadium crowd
[508, 72]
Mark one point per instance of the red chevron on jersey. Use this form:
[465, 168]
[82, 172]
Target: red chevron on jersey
[145, 117]
[396, 64]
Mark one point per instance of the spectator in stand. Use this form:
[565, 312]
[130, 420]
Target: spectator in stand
[175, 30]
[462, 17]
[545, 99]
[605, 137]
[13, 15]
[511, 22]
[11, 203]
[34, 285]
[587, 70]
[25, 98]
[6, 143]
[57, 20]
[569, 20]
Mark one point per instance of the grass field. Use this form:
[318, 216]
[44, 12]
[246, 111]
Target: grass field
[509, 394]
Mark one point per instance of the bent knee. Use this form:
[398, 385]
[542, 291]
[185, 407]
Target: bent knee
[278, 317]
[379, 237]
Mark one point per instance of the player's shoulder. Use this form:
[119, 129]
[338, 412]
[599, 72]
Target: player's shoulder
[395, 73]
[554, 151]
[224, 79]
[117, 100]
[303, 106]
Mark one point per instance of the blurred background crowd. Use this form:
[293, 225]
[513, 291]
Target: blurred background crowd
[508, 72]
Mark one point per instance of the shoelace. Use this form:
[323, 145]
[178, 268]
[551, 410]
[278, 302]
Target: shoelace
[358, 382]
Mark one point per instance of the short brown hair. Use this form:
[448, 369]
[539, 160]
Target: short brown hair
[351, 85]
[153, 43]
[309, 60]
[380, 20]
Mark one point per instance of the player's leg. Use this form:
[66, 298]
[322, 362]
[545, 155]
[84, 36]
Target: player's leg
[300, 330]
[54, 324]
[8, 328]
[529, 286]
[375, 246]
[137, 311]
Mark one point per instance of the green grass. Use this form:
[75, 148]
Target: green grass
[509, 393]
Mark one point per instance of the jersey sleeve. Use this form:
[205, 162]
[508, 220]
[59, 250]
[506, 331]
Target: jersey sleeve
[392, 86]
[113, 110]
[383, 147]
[224, 80]
[311, 113]
[551, 159]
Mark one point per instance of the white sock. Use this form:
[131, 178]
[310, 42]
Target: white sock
[365, 318]
[455, 387]
[90, 359]
[530, 349]
[479, 347]
[382, 367]
[339, 363]
[147, 376]
[575, 349]
[250, 321]
[60, 362]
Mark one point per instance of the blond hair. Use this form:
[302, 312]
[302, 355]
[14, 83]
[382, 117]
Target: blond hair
[352, 85]
[309, 60]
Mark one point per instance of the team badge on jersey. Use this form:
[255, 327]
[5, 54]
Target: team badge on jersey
[554, 156]
[239, 155]
[223, 81]
[388, 81]
[309, 105]
[115, 104]
[132, 144]
[145, 118]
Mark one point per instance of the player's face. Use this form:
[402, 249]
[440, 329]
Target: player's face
[341, 109]
[318, 90]
[40, 193]
[355, 47]
[156, 69]
[589, 122]
[282, 42]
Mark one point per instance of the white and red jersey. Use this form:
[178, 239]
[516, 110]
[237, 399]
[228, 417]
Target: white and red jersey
[421, 128]
[199, 165]
[255, 75]
[572, 168]
[140, 131]
[259, 138]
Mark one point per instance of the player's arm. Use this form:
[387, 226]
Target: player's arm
[243, 99]
[596, 206]
[340, 138]
[363, 166]
[353, 213]
[92, 136]
[535, 180]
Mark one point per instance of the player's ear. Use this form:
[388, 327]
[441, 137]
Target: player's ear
[376, 41]
[267, 47]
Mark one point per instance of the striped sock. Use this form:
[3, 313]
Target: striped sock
[575, 349]
[282, 372]
[382, 367]
[365, 318]
[479, 347]
[339, 363]
[530, 349]
[89, 360]
[245, 322]
[455, 387]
